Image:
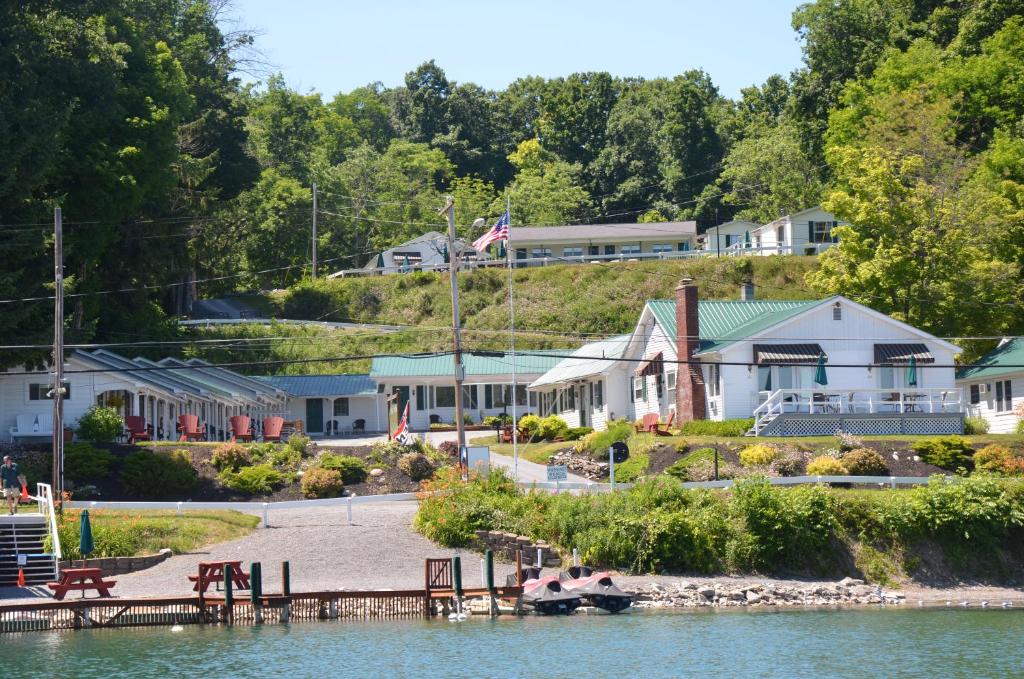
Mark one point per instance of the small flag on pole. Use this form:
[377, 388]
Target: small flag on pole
[402, 434]
[497, 232]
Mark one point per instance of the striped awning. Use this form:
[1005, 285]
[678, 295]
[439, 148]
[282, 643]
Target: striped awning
[650, 366]
[901, 353]
[787, 353]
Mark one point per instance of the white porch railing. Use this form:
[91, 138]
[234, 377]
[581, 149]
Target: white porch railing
[44, 497]
[824, 401]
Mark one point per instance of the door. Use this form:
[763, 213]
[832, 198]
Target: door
[314, 415]
[609, 249]
[403, 398]
[584, 406]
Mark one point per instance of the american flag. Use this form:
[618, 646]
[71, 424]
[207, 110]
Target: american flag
[497, 232]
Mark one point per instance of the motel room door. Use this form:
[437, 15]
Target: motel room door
[314, 415]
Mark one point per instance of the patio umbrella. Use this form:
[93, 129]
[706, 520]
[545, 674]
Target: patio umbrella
[746, 238]
[85, 544]
[380, 260]
[405, 262]
[444, 254]
[501, 250]
[819, 373]
[912, 371]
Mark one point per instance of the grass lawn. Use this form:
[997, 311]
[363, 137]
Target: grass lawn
[132, 533]
[534, 452]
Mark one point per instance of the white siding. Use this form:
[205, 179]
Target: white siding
[653, 340]
[999, 422]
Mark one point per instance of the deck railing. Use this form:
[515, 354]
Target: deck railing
[824, 401]
[44, 498]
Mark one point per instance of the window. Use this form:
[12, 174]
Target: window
[821, 232]
[684, 247]
[714, 379]
[520, 394]
[598, 396]
[570, 398]
[670, 380]
[403, 258]
[837, 312]
[662, 247]
[444, 397]
[634, 390]
[780, 235]
[380, 388]
[975, 394]
[764, 378]
[631, 249]
[421, 397]
[520, 253]
[729, 239]
[41, 392]
[659, 383]
[533, 399]
[887, 377]
[609, 249]
[469, 401]
[540, 253]
[1004, 396]
[572, 252]
[594, 250]
[341, 407]
[643, 388]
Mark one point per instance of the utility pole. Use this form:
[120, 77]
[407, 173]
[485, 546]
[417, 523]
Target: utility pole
[58, 359]
[314, 230]
[460, 425]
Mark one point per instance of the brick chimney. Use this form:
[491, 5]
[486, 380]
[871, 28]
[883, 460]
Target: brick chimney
[691, 403]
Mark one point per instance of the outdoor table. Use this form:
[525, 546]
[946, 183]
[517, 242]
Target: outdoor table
[80, 580]
[213, 572]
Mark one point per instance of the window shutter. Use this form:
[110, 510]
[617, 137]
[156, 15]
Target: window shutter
[810, 232]
[1008, 394]
[488, 396]
[632, 390]
[643, 386]
[999, 395]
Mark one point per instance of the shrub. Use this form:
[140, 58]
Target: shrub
[530, 424]
[948, 452]
[100, 424]
[467, 419]
[789, 464]
[351, 469]
[321, 482]
[864, 462]
[597, 443]
[260, 452]
[285, 458]
[82, 462]
[633, 468]
[683, 469]
[553, 427]
[495, 420]
[416, 466]
[975, 425]
[993, 458]
[704, 470]
[825, 465]
[230, 456]
[757, 455]
[848, 442]
[298, 444]
[155, 475]
[449, 448]
[260, 479]
[1020, 428]
[576, 433]
[713, 428]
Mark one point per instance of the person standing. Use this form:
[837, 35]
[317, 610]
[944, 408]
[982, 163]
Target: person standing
[11, 480]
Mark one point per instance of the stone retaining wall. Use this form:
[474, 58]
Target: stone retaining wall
[119, 565]
[506, 545]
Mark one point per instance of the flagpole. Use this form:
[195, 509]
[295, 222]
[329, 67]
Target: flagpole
[512, 338]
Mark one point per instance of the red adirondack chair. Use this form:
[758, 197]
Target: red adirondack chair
[190, 429]
[272, 428]
[663, 429]
[137, 429]
[241, 428]
[649, 423]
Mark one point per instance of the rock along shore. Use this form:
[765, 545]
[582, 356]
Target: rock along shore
[848, 591]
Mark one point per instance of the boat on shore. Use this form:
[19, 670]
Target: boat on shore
[595, 588]
[545, 595]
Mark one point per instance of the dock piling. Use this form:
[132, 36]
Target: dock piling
[256, 591]
[229, 596]
[286, 590]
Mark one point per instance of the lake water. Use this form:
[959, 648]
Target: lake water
[786, 643]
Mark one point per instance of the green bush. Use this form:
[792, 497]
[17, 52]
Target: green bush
[792, 463]
[151, 474]
[261, 452]
[685, 468]
[82, 462]
[230, 456]
[100, 424]
[633, 468]
[975, 425]
[320, 482]
[351, 468]
[948, 452]
[260, 479]
[553, 427]
[1020, 427]
[597, 443]
[576, 433]
[298, 444]
[285, 459]
[713, 428]
[864, 462]
[530, 424]
[825, 465]
[416, 466]
[495, 420]
[758, 455]
[992, 457]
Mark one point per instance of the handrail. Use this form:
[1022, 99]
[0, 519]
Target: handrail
[44, 496]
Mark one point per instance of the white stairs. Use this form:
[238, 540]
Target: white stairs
[25, 534]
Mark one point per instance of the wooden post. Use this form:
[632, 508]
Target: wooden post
[286, 590]
[229, 595]
[256, 591]
[202, 593]
[489, 582]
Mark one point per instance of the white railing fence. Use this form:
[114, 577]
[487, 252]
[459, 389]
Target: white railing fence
[44, 498]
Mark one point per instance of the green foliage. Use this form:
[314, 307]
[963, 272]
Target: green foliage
[975, 425]
[597, 443]
[948, 452]
[825, 465]
[530, 424]
[230, 456]
[100, 424]
[260, 479]
[713, 428]
[261, 452]
[576, 433]
[553, 427]
[320, 482]
[156, 475]
[633, 468]
[999, 459]
[864, 462]
[83, 462]
[299, 444]
[495, 420]
[684, 469]
[758, 455]
[416, 466]
[352, 469]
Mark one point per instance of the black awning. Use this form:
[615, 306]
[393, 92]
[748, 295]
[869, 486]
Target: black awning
[901, 353]
[787, 353]
[650, 366]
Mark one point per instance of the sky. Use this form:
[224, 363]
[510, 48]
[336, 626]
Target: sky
[336, 46]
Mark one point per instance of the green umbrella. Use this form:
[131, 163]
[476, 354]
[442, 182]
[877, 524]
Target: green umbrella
[746, 238]
[819, 373]
[501, 250]
[405, 262]
[380, 260]
[912, 371]
[444, 254]
[85, 544]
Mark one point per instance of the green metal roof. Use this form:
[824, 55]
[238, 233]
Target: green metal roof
[1002, 360]
[536, 362]
[310, 386]
[722, 323]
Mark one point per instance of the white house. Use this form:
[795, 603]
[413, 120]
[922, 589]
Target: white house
[731, 235]
[333, 404]
[427, 384]
[994, 386]
[808, 232]
[584, 242]
[427, 251]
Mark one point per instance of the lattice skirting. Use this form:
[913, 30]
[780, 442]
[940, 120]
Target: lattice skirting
[797, 425]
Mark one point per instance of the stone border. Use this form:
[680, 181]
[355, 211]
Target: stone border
[119, 565]
[507, 544]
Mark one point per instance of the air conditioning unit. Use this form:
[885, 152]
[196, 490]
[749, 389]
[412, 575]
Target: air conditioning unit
[982, 388]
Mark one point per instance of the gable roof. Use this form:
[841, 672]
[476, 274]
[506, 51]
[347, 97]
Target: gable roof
[312, 386]
[1003, 360]
[569, 369]
[724, 322]
[535, 362]
[586, 232]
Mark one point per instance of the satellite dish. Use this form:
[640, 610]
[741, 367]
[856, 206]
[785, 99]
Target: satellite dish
[478, 222]
[620, 452]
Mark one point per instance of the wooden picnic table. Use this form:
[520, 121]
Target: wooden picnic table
[213, 572]
[81, 580]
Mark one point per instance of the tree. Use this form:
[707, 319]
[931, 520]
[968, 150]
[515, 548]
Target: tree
[546, 190]
[574, 115]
